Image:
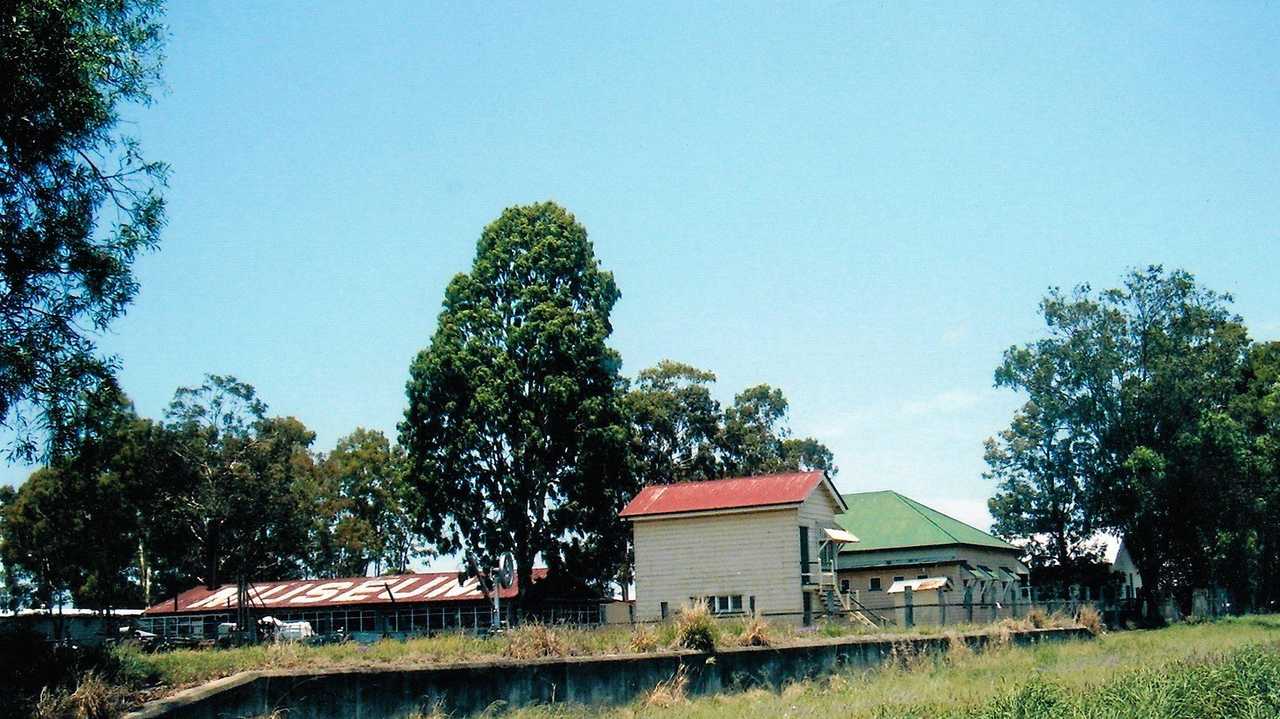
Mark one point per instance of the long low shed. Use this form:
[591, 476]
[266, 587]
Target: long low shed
[391, 605]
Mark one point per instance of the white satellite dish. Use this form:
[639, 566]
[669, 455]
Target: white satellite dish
[507, 570]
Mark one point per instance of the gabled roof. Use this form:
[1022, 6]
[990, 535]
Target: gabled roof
[768, 490]
[888, 520]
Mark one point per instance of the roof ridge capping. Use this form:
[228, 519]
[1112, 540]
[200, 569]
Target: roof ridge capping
[770, 475]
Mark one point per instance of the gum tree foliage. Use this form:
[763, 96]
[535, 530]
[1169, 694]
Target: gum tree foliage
[1128, 428]
[363, 503]
[679, 432]
[513, 430]
[756, 439]
[78, 202]
[235, 497]
[73, 528]
[675, 424]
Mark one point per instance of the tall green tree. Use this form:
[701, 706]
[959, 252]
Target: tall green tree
[69, 66]
[1256, 407]
[1126, 427]
[516, 396]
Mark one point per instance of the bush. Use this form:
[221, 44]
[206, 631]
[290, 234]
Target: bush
[532, 641]
[696, 629]
[92, 699]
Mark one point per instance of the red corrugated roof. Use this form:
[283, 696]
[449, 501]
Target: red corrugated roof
[316, 593]
[736, 493]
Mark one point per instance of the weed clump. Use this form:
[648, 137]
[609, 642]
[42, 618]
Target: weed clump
[669, 692]
[93, 698]
[696, 629]
[1090, 619]
[532, 641]
[755, 633]
[643, 639]
[958, 649]
[1037, 618]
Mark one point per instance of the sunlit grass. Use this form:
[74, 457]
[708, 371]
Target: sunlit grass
[1225, 668]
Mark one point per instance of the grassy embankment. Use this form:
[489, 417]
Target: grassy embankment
[1229, 668]
[184, 667]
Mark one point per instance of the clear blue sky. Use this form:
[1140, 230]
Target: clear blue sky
[859, 203]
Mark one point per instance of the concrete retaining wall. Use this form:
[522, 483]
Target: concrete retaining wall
[468, 688]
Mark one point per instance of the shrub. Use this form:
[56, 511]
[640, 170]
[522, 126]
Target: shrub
[755, 632]
[696, 628]
[1089, 618]
[533, 640]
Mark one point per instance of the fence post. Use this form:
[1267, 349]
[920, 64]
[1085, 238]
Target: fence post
[942, 608]
[968, 604]
[909, 608]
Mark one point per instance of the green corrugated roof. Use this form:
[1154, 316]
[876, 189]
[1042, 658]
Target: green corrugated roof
[886, 520]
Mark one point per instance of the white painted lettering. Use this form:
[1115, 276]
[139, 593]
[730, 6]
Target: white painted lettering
[321, 593]
[362, 591]
[217, 597]
[281, 597]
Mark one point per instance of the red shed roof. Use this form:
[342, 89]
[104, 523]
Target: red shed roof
[719, 494]
[317, 593]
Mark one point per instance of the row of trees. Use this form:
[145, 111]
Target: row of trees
[1151, 415]
[139, 509]
[521, 435]
[217, 489]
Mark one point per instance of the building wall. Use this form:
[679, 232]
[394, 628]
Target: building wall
[818, 512]
[750, 553]
[1130, 579]
[943, 564]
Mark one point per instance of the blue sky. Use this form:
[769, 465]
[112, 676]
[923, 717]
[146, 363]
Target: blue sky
[859, 203]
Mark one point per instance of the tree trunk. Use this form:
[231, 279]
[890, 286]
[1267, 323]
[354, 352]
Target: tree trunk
[211, 558]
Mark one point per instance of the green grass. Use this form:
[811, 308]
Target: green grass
[1227, 668]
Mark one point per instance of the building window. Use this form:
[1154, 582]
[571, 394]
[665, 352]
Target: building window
[898, 579]
[726, 603]
[874, 586]
[844, 586]
[753, 603]
[662, 609]
[922, 576]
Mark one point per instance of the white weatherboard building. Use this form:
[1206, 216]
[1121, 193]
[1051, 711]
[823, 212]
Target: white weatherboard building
[762, 544]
